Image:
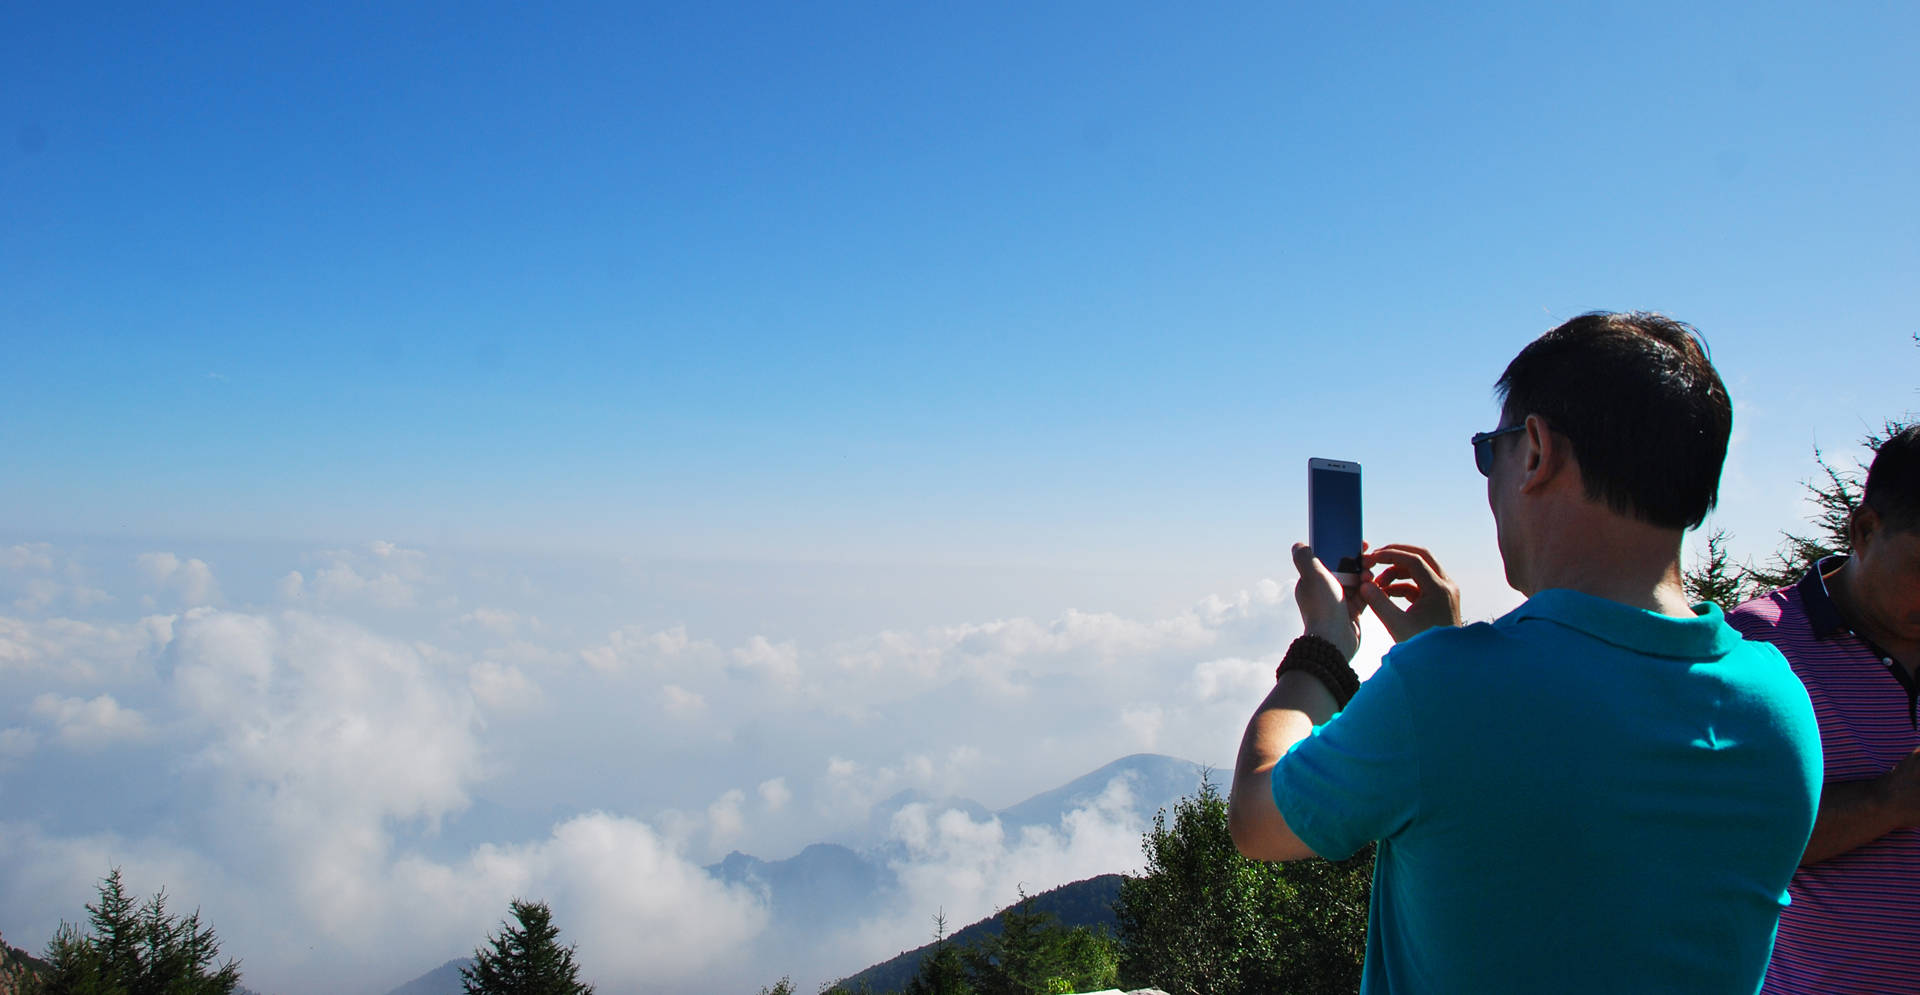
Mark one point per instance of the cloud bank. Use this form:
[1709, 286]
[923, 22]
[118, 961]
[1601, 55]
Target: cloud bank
[353, 764]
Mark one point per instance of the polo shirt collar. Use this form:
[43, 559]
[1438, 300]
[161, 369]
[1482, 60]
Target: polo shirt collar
[1705, 636]
[1823, 616]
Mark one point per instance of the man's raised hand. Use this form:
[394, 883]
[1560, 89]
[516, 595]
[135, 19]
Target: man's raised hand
[1328, 609]
[1414, 576]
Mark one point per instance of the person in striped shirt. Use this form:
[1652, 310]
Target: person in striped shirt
[1851, 631]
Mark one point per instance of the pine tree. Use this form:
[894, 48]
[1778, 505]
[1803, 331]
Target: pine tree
[941, 972]
[136, 950]
[526, 959]
[1835, 495]
[1715, 577]
[1033, 954]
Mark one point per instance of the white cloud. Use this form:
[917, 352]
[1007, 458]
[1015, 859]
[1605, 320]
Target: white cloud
[725, 820]
[969, 869]
[502, 688]
[42, 593]
[778, 662]
[1235, 677]
[679, 701]
[1007, 657]
[27, 556]
[500, 623]
[89, 724]
[339, 581]
[1144, 724]
[774, 794]
[292, 587]
[86, 597]
[855, 787]
[637, 647]
[71, 652]
[188, 581]
[383, 576]
[359, 723]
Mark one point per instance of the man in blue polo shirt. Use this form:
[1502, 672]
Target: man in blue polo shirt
[1605, 790]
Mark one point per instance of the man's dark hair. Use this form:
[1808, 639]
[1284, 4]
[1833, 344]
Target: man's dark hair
[1640, 402]
[1893, 481]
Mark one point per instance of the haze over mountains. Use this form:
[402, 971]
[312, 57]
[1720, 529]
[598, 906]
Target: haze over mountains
[838, 907]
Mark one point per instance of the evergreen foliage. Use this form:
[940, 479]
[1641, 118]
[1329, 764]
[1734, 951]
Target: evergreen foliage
[1087, 903]
[942, 972]
[525, 959]
[1033, 954]
[1835, 493]
[132, 949]
[1716, 578]
[19, 970]
[1203, 920]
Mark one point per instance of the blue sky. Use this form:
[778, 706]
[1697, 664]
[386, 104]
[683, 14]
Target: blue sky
[905, 280]
[845, 391]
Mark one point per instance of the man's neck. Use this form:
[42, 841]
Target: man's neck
[1654, 587]
[1596, 552]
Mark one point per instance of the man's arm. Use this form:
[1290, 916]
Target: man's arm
[1297, 704]
[1855, 813]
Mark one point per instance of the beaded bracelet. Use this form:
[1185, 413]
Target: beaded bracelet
[1317, 658]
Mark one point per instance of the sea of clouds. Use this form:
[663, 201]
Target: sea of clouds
[351, 760]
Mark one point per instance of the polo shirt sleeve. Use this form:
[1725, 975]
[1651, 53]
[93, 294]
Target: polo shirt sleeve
[1356, 778]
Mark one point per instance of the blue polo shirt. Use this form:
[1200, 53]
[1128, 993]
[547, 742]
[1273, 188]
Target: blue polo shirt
[1581, 796]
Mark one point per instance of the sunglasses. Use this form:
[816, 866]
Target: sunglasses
[1483, 447]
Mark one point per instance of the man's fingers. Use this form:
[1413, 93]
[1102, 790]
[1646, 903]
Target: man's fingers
[1420, 551]
[1409, 564]
[1403, 589]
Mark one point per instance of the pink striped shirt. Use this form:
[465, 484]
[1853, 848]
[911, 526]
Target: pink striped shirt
[1854, 924]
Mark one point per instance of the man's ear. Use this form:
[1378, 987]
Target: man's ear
[1862, 525]
[1547, 456]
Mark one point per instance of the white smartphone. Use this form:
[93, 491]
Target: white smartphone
[1333, 513]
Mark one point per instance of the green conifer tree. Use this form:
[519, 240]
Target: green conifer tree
[524, 959]
[136, 950]
[1716, 578]
[943, 971]
[1033, 954]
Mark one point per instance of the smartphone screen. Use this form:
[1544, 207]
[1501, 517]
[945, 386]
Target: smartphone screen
[1333, 501]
